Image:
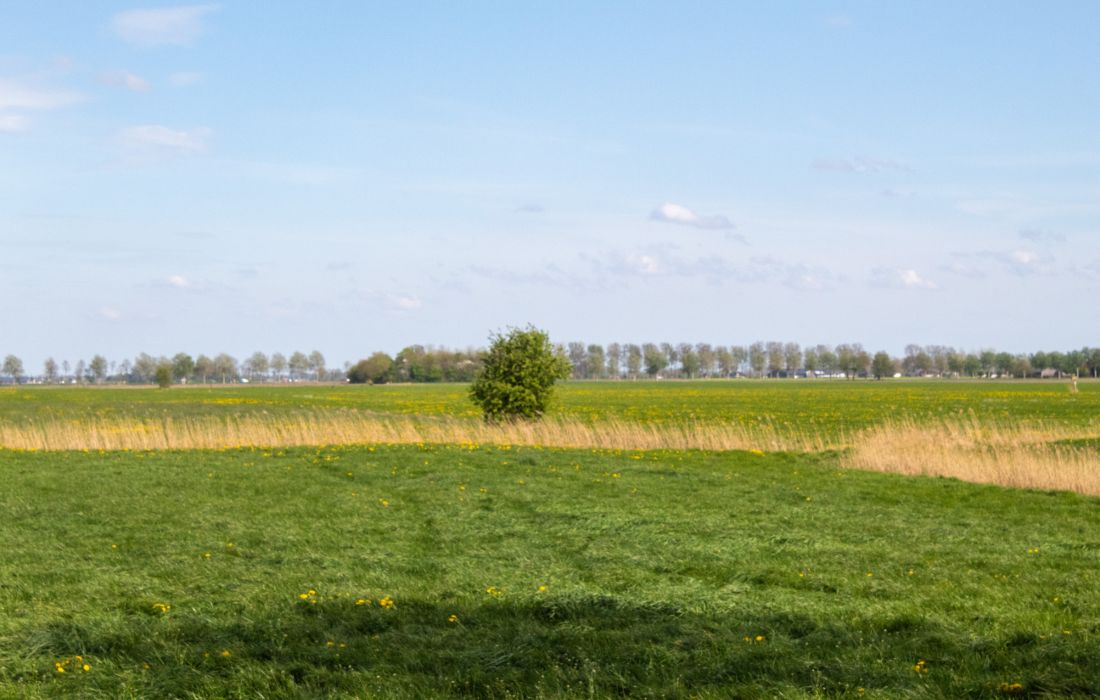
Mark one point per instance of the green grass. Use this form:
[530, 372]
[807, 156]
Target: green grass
[826, 406]
[660, 571]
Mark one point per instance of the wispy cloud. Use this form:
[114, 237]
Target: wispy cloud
[859, 164]
[167, 26]
[1022, 262]
[129, 81]
[109, 313]
[17, 97]
[900, 278]
[13, 123]
[670, 213]
[179, 282]
[662, 261]
[156, 140]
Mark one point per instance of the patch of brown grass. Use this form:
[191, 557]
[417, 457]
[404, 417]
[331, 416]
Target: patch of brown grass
[1022, 456]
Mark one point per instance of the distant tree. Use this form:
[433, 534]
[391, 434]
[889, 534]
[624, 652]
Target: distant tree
[792, 357]
[671, 356]
[740, 356]
[65, 370]
[256, 366]
[144, 368]
[182, 366]
[50, 370]
[776, 361]
[847, 359]
[225, 367]
[826, 359]
[578, 358]
[123, 371]
[596, 360]
[758, 358]
[518, 375]
[13, 367]
[98, 369]
[809, 361]
[882, 365]
[725, 361]
[317, 364]
[278, 364]
[204, 368]
[689, 360]
[79, 372]
[633, 360]
[708, 359]
[375, 369]
[614, 360]
[163, 375]
[298, 364]
[655, 358]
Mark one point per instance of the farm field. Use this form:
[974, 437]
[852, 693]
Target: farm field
[436, 571]
[308, 556]
[825, 406]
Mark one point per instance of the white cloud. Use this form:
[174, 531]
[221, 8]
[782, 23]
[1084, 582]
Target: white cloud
[185, 78]
[13, 123]
[179, 282]
[859, 164]
[168, 26]
[162, 139]
[678, 214]
[900, 278]
[643, 264]
[110, 313]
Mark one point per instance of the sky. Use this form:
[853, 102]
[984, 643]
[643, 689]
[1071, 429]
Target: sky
[361, 176]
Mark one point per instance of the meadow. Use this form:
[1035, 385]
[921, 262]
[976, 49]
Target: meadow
[486, 569]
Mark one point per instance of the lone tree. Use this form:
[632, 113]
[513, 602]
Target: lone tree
[518, 375]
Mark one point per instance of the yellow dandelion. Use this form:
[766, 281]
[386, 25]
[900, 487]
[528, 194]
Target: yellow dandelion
[226, 653]
[362, 601]
[452, 618]
[387, 603]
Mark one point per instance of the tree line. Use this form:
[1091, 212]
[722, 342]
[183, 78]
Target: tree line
[427, 364]
[181, 368]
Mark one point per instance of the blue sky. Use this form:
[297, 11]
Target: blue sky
[348, 177]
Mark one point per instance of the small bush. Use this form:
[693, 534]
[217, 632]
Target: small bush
[518, 376]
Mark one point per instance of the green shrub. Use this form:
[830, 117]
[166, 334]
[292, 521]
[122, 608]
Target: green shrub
[517, 378]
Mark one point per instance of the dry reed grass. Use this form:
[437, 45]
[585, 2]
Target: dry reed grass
[1021, 456]
[331, 428]
[966, 448]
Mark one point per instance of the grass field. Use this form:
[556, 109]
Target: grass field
[485, 570]
[409, 571]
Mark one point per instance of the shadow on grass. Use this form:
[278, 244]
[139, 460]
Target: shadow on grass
[556, 646]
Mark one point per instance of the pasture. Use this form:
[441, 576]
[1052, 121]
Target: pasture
[474, 569]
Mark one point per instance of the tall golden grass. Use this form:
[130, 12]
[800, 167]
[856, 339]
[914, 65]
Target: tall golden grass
[330, 428]
[1022, 456]
[1027, 456]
